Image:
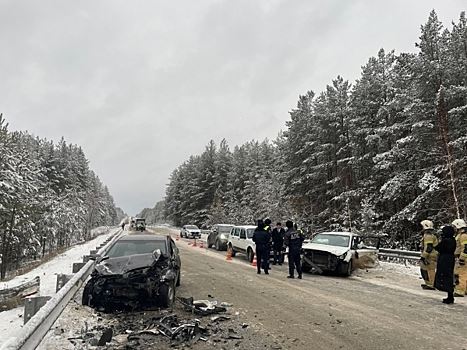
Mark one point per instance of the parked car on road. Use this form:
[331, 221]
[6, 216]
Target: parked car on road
[241, 240]
[139, 269]
[338, 252]
[219, 236]
[190, 231]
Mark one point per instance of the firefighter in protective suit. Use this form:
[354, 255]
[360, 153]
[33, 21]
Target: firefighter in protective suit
[460, 270]
[429, 254]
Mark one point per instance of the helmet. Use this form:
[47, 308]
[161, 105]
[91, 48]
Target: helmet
[459, 223]
[427, 225]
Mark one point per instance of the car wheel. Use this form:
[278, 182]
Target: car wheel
[178, 279]
[249, 254]
[166, 296]
[85, 300]
[346, 268]
[306, 267]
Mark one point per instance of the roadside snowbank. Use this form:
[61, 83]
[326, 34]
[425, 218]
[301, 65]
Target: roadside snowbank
[11, 321]
[62, 263]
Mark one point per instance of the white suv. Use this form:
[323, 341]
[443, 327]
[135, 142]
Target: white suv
[241, 241]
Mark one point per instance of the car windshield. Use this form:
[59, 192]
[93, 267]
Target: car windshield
[334, 240]
[125, 248]
[249, 232]
[191, 227]
[224, 229]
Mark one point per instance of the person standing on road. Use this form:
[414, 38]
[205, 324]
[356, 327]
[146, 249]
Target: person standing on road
[460, 271]
[445, 267]
[277, 243]
[267, 228]
[293, 240]
[261, 239]
[267, 225]
[429, 254]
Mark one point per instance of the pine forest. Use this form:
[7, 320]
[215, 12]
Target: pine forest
[49, 198]
[373, 156]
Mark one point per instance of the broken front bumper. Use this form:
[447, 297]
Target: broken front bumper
[323, 261]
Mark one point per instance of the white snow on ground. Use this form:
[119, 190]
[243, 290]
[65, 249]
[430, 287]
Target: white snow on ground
[60, 264]
[400, 268]
[12, 320]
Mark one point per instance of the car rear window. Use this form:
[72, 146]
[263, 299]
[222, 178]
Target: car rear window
[125, 248]
[249, 232]
[224, 229]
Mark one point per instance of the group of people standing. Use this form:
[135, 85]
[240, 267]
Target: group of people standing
[278, 239]
[443, 259]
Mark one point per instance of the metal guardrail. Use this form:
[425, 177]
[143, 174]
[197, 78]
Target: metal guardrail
[38, 326]
[397, 254]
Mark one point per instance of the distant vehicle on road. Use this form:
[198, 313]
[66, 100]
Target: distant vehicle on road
[219, 236]
[140, 224]
[241, 240]
[190, 231]
[137, 224]
[139, 269]
[338, 252]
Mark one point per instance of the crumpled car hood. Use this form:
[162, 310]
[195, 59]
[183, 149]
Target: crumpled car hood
[338, 251]
[124, 264]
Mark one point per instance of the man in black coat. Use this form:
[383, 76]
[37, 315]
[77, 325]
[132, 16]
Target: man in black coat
[444, 279]
[261, 239]
[277, 243]
[293, 240]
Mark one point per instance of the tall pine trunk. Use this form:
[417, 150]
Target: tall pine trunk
[443, 127]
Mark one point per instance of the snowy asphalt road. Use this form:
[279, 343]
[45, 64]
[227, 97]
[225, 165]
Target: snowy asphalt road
[323, 312]
[376, 309]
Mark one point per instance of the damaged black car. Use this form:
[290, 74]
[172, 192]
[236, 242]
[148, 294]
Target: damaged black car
[138, 270]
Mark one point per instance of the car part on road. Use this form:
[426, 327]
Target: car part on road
[178, 333]
[201, 307]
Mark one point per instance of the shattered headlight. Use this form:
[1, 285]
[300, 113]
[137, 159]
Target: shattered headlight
[342, 257]
[169, 275]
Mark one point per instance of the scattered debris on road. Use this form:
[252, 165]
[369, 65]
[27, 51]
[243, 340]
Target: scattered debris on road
[188, 323]
[201, 307]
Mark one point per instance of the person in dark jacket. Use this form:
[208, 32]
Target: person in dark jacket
[293, 240]
[261, 239]
[267, 225]
[444, 279]
[277, 243]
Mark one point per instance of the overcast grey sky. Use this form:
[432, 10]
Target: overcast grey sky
[142, 85]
